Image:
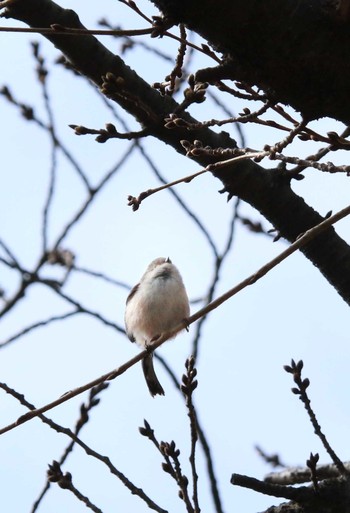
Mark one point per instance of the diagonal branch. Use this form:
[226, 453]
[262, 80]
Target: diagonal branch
[303, 240]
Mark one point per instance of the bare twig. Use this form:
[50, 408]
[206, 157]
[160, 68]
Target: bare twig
[10, 254]
[300, 242]
[272, 459]
[219, 262]
[171, 464]
[55, 475]
[164, 32]
[295, 369]
[189, 384]
[326, 167]
[69, 31]
[204, 442]
[81, 422]
[312, 465]
[320, 154]
[102, 276]
[36, 325]
[29, 114]
[104, 459]
[181, 202]
[224, 108]
[82, 309]
[136, 202]
[42, 74]
[93, 193]
[110, 132]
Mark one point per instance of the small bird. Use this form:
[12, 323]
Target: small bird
[154, 306]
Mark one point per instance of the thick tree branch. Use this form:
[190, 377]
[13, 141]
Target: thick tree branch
[296, 51]
[267, 190]
[332, 496]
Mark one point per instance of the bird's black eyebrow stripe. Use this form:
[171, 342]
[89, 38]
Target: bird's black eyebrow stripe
[164, 274]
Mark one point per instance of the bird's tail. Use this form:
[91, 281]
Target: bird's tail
[153, 384]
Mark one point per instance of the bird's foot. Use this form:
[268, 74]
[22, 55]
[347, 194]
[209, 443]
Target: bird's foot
[149, 343]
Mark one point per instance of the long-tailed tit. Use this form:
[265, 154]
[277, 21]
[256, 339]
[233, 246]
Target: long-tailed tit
[154, 306]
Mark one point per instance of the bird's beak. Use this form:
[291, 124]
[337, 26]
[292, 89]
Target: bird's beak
[167, 260]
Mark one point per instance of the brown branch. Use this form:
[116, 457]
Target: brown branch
[203, 440]
[67, 31]
[302, 384]
[302, 475]
[299, 243]
[189, 384]
[136, 202]
[171, 464]
[65, 481]
[300, 494]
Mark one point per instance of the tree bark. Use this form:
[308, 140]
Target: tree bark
[267, 190]
[297, 51]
